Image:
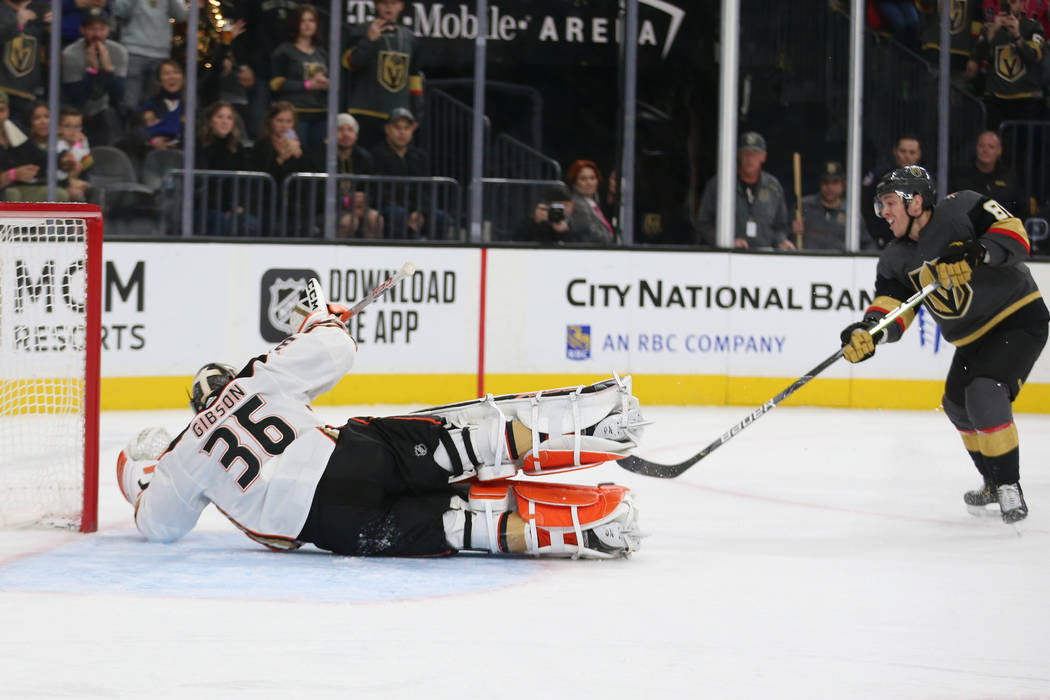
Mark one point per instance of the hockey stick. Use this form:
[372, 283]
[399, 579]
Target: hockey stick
[407, 270]
[670, 471]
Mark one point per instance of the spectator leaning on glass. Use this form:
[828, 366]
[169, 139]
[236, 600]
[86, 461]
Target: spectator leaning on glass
[384, 74]
[548, 224]
[94, 73]
[823, 222]
[1013, 46]
[23, 32]
[146, 32]
[761, 213]
[587, 223]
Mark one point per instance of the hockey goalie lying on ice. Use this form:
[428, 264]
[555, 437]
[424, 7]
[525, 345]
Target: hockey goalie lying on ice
[432, 482]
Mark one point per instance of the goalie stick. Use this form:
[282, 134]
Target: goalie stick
[406, 271]
[670, 471]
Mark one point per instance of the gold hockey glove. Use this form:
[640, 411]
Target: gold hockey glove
[858, 344]
[956, 263]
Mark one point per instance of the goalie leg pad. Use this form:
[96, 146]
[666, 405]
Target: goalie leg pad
[557, 520]
[565, 429]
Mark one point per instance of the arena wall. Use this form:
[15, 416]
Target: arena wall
[691, 327]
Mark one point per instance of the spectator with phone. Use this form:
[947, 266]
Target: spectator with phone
[383, 71]
[549, 222]
[278, 151]
[300, 76]
[1012, 44]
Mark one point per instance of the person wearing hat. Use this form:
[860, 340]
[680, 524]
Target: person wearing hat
[94, 74]
[382, 72]
[823, 222]
[358, 220]
[761, 213]
[22, 34]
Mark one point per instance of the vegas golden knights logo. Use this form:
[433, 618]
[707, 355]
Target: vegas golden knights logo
[1008, 64]
[393, 70]
[944, 303]
[20, 55]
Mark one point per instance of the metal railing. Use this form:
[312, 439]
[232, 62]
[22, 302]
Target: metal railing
[226, 203]
[446, 135]
[507, 157]
[375, 206]
[508, 203]
[1026, 149]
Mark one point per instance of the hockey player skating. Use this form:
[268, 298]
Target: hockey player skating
[431, 482]
[988, 306]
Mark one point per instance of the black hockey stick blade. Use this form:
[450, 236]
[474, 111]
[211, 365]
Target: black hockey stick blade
[642, 466]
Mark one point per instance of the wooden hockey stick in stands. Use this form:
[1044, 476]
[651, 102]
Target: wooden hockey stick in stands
[670, 471]
[797, 165]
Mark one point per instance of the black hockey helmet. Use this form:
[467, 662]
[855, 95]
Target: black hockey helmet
[906, 182]
[208, 382]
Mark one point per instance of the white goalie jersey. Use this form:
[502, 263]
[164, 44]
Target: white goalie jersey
[258, 451]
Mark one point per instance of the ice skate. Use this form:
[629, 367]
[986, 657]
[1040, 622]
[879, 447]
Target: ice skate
[979, 501]
[1011, 503]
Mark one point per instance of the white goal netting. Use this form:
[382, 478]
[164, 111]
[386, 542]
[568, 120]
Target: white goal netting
[43, 299]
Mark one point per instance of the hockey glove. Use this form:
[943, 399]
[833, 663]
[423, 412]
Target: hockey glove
[857, 343]
[956, 263]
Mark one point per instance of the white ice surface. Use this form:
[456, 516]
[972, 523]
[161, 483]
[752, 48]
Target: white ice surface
[821, 553]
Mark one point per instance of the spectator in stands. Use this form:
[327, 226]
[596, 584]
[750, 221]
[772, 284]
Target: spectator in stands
[988, 175]
[162, 114]
[73, 12]
[823, 222]
[94, 73]
[549, 222]
[217, 29]
[23, 33]
[1013, 46]
[906, 151]
[69, 186]
[397, 156]
[587, 223]
[761, 211]
[278, 150]
[966, 19]
[74, 150]
[383, 70]
[903, 19]
[146, 32]
[220, 146]
[300, 76]
[358, 220]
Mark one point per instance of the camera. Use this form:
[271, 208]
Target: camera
[555, 212]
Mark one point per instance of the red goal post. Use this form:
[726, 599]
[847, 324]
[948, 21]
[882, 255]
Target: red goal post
[50, 344]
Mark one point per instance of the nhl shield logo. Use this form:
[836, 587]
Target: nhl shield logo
[420, 450]
[393, 70]
[278, 294]
[578, 342]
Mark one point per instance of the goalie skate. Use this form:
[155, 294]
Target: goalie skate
[563, 429]
[555, 520]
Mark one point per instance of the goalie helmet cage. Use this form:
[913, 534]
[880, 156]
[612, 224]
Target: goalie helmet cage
[50, 344]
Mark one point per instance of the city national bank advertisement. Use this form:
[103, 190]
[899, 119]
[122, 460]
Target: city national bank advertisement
[691, 327]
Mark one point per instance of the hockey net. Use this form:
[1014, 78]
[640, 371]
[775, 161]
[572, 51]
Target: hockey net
[50, 318]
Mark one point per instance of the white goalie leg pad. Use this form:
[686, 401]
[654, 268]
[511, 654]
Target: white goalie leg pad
[570, 428]
[560, 520]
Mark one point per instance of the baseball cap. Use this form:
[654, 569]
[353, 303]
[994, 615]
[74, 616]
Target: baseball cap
[401, 113]
[832, 169]
[752, 140]
[95, 14]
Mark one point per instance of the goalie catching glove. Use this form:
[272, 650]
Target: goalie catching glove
[956, 264]
[136, 462]
[858, 344]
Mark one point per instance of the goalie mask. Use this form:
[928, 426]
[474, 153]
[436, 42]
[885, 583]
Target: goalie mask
[208, 383]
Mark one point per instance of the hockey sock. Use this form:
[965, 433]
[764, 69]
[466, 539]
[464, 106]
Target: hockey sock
[989, 408]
